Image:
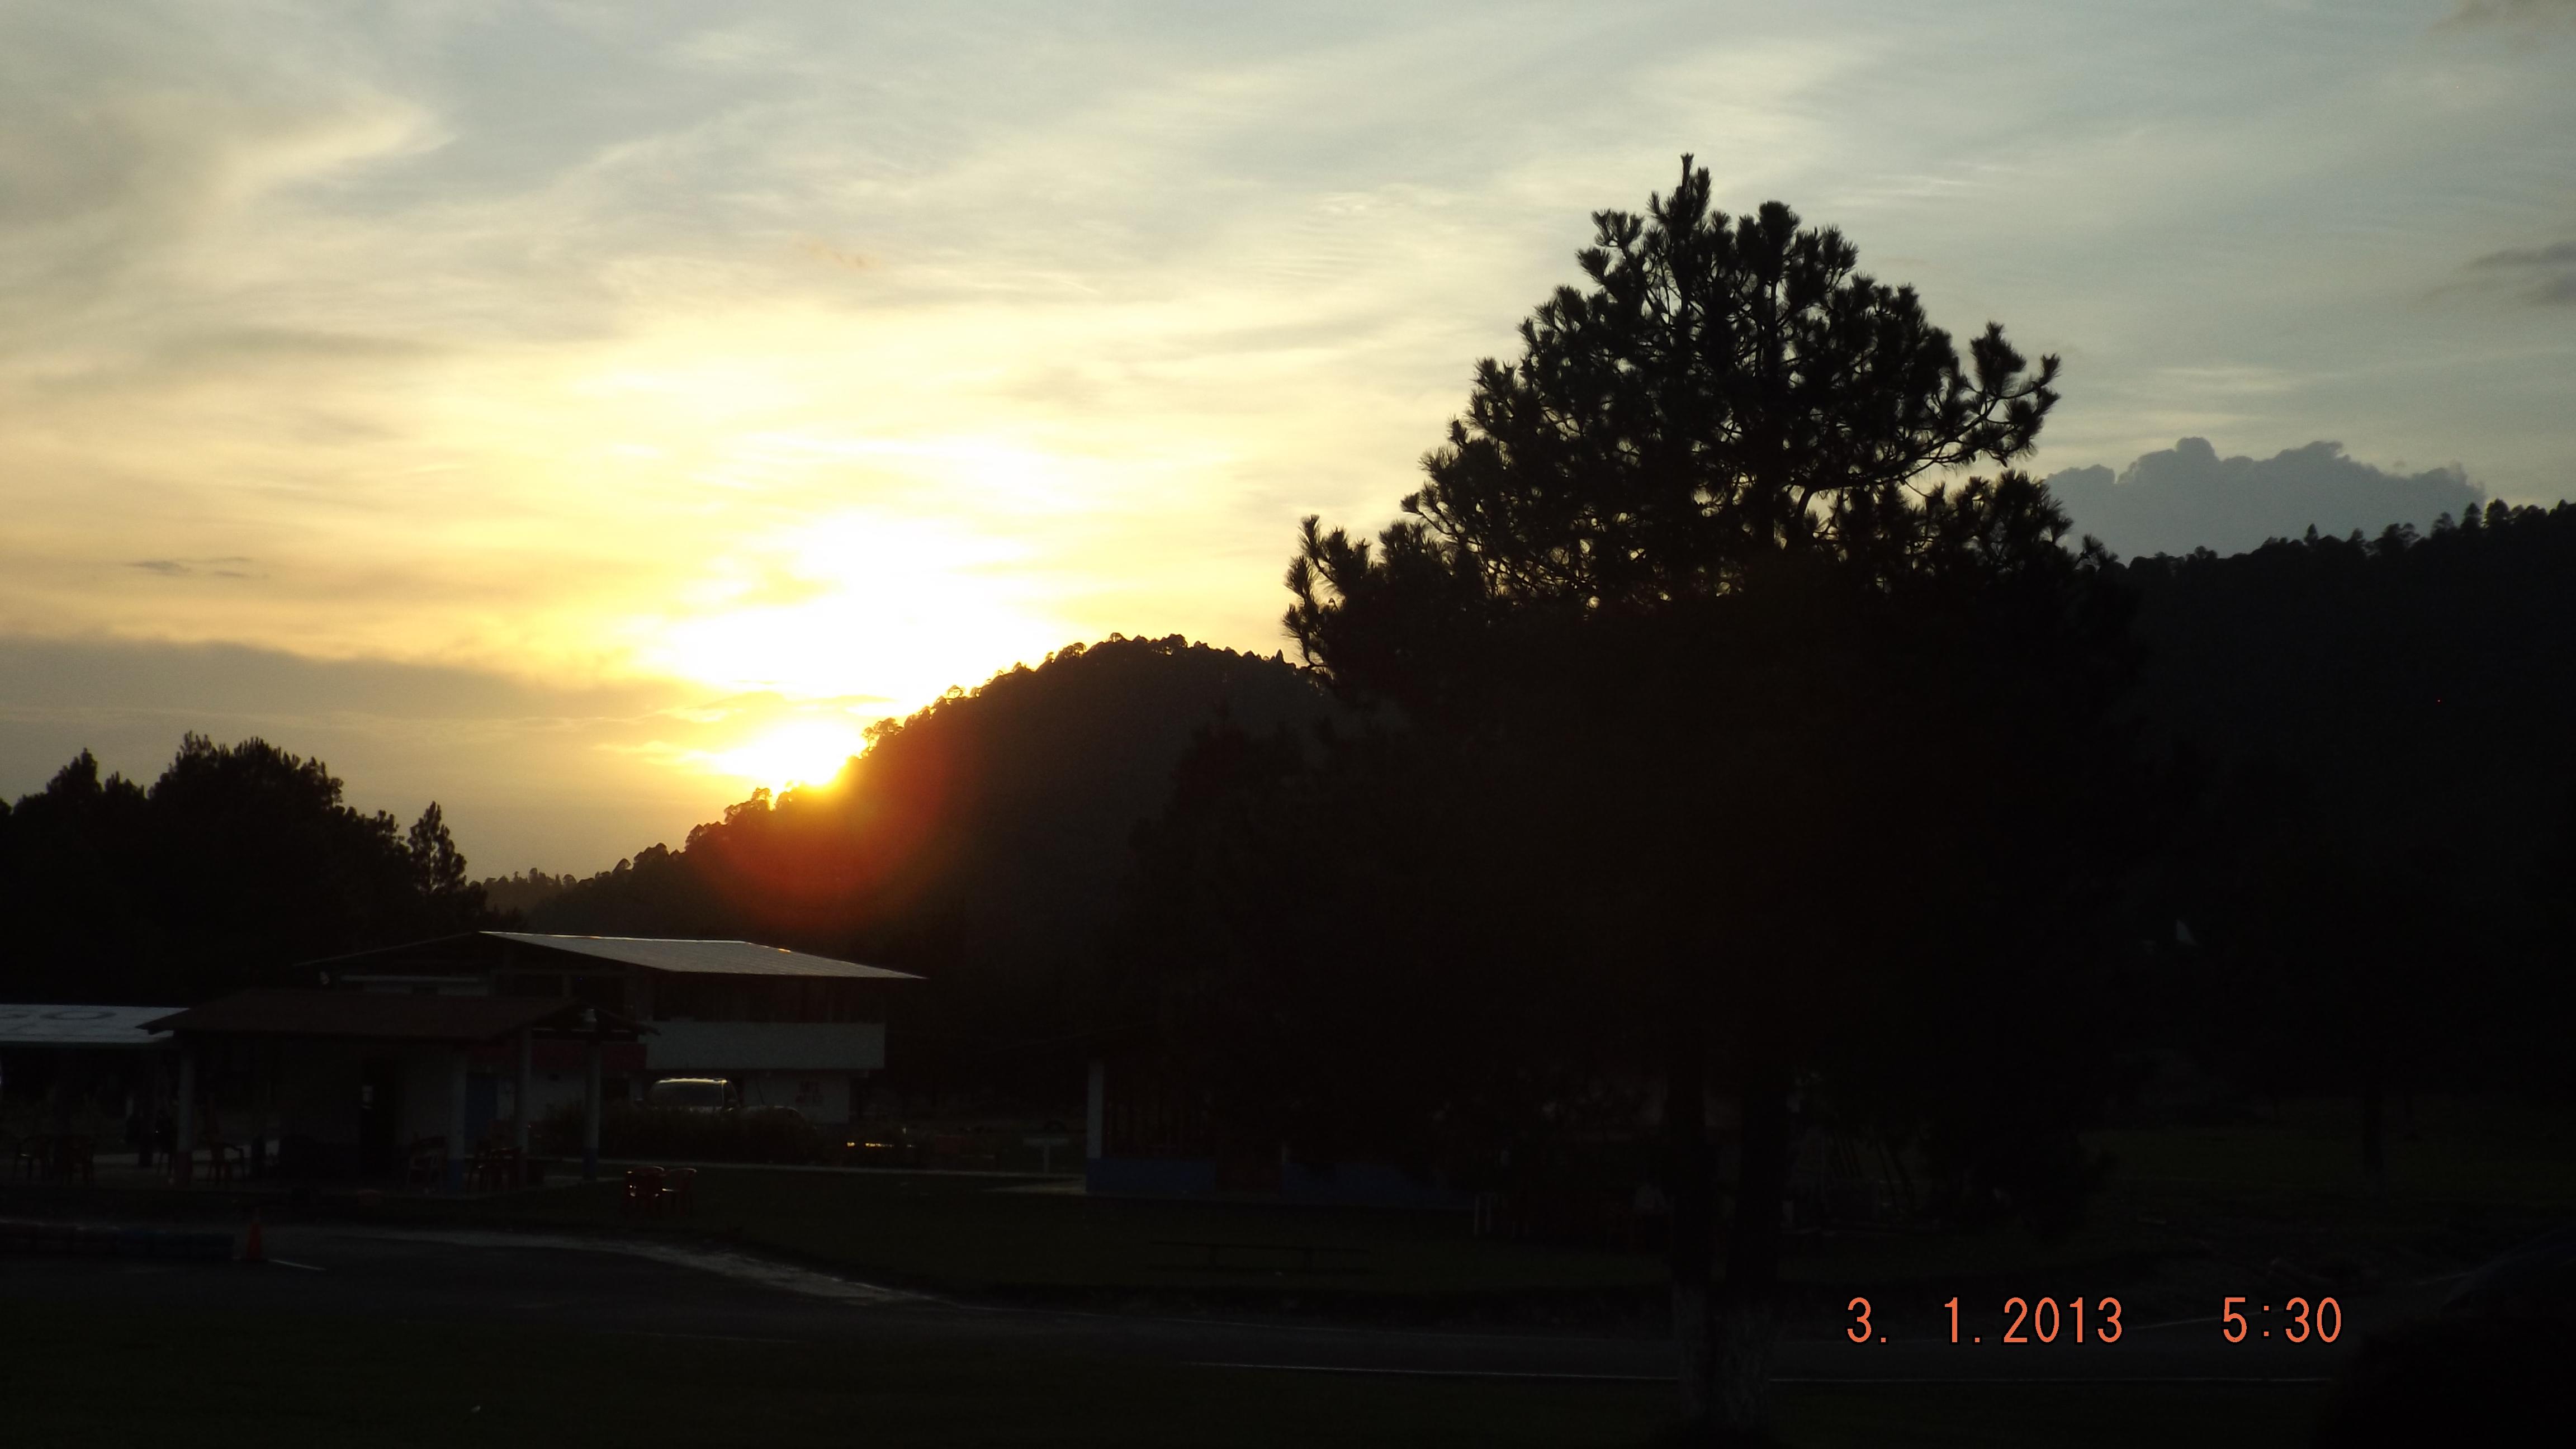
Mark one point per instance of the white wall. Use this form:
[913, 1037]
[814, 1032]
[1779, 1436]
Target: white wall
[318, 1091]
[739, 1048]
[824, 1097]
[428, 1086]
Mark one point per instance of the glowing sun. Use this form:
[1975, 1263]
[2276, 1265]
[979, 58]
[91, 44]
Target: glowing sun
[799, 752]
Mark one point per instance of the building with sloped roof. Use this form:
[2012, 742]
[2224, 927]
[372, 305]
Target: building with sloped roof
[61, 1062]
[789, 1028]
[447, 1050]
[359, 1084]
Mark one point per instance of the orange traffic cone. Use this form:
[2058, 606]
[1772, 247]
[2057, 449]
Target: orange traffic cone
[252, 1252]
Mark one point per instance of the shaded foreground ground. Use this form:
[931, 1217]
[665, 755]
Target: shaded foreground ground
[451, 1336]
[2191, 1216]
[92, 1376]
[1042, 1318]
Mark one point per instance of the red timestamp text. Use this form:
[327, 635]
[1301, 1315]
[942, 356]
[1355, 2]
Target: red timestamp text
[2026, 1320]
[2300, 1321]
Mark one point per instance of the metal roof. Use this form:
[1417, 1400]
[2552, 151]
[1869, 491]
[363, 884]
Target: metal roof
[384, 1016]
[715, 958]
[79, 1026]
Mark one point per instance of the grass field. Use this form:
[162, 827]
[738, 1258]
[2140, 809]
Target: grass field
[2190, 1214]
[2193, 1212]
[79, 1377]
[970, 1234]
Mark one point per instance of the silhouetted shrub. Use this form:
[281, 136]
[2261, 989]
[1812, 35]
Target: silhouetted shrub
[681, 1134]
[2455, 1380]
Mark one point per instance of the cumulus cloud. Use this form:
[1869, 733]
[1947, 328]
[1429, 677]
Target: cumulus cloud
[2189, 497]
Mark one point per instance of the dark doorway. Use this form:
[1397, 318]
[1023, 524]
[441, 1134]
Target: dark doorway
[380, 1144]
[482, 1106]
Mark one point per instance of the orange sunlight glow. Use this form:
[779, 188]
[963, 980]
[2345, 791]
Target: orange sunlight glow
[862, 603]
[799, 752]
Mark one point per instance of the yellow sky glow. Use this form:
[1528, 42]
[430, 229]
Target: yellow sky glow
[854, 604]
[698, 389]
[801, 752]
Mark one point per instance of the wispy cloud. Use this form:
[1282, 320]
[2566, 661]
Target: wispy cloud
[2545, 275]
[833, 349]
[233, 567]
[2513, 12]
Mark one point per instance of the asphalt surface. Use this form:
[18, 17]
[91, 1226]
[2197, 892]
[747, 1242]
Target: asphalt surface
[659, 1289]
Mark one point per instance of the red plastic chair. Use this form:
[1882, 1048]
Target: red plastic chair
[425, 1164]
[76, 1159]
[498, 1169]
[644, 1190]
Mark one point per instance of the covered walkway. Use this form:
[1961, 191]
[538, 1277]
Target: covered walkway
[373, 1084]
[74, 1079]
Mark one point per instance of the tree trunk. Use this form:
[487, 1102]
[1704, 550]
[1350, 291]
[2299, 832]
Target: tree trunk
[1691, 1186]
[1747, 1319]
[2374, 1127]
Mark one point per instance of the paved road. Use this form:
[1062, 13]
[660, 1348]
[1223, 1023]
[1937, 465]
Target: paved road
[661, 1289]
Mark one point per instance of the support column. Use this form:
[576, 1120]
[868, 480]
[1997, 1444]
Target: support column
[263, 1107]
[183, 1151]
[1095, 1109]
[519, 1109]
[590, 1110]
[156, 1076]
[456, 1146]
[67, 1085]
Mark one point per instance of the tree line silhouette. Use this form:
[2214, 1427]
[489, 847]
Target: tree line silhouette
[236, 863]
[2376, 860]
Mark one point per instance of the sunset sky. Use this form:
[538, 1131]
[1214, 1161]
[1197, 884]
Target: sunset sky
[580, 413]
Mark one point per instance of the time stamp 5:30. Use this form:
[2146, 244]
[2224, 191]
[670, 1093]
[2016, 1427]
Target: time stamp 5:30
[2046, 1320]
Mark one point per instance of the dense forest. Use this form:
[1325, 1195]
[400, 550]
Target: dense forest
[980, 841]
[2370, 735]
[237, 863]
[2377, 866]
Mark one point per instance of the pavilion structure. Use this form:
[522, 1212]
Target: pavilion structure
[357, 1084]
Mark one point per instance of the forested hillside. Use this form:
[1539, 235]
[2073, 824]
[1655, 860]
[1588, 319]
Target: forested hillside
[2379, 740]
[2416, 686]
[981, 842]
